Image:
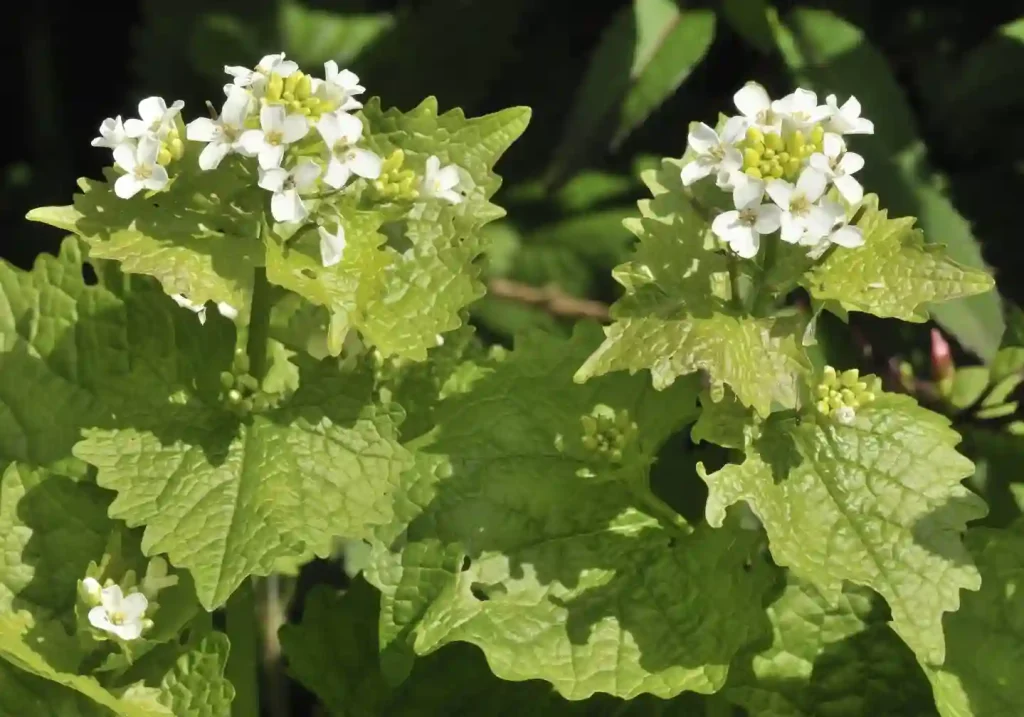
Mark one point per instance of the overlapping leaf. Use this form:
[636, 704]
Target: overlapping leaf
[558, 563]
[878, 503]
[675, 319]
[195, 686]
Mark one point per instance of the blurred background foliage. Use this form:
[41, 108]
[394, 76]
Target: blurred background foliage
[613, 85]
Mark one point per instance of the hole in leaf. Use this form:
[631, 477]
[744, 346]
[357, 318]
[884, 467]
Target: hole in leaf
[478, 592]
[466, 562]
[183, 638]
[308, 273]
[89, 274]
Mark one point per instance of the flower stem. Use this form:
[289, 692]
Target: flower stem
[734, 280]
[243, 658]
[259, 325]
[763, 294]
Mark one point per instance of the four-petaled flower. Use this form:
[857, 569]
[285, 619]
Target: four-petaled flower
[742, 227]
[714, 153]
[332, 246]
[119, 614]
[755, 105]
[800, 109]
[440, 181]
[286, 204]
[141, 169]
[244, 77]
[156, 118]
[222, 134]
[340, 132]
[838, 166]
[342, 86]
[841, 233]
[277, 130]
[803, 219]
[846, 119]
[112, 134]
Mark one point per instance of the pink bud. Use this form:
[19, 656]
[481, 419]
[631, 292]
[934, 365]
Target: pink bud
[942, 359]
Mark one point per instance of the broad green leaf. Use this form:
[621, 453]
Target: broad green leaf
[981, 675]
[515, 536]
[877, 503]
[722, 423]
[836, 658]
[196, 686]
[226, 498]
[200, 237]
[969, 384]
[895, 274]
[22, 693]
[832, 56]
[675, 318]
[312, 36]
[749, 18]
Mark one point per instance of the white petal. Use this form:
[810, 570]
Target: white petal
[127, 186]
[747, 192]
[833, 145]
[272, 118]
[236, 107]
[135, 127]
[850, 188]
[350, 126]
[724, 223]
[286, 68]
[792, 229]
[811, 184]
[702, 138]
[213, 154]
[694, 170]
[448, 177]
[367, 164]
[271, 155]
[818, 222]
[127, 630]
[350, 104]
[147, 151]
[157, 178]
[305, 173]
[848, 236]
[227, 310]
[734, 129]
[845, 415]
[294, 128]
[267, 62]
[329, 127]
[330, 70]
[744, 241]
[202, 129]
[332, 246]
[433, 166]
[861, 126]
[99, 619]
[732, 161]
[449, 196]
[851, 108]
[111, 598]
[238, 72]
[252, 141]
[152, 109]
[851, 163]
[134, 607]
[780, 191]
[337, 173]
[201, 314]
[91, 586]
[752, 99]
[273, 179]
[182, 301]
[124, 156]
[769, 219]
[287, 206]
[821, 163]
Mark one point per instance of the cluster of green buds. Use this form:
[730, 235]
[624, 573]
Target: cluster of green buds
[608, 433]
[780, 156]
[172, 148]
[240, 391]
[841, 394]
[396, 183]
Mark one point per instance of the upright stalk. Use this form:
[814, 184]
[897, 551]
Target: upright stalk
[762, 292]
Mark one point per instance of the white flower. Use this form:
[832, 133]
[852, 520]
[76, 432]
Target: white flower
[244, 77]
[845, 415]
[800, 109]
[803, 219]
[120, 614]
[342, 86]
[714, 153]
[277, 130]
[141, 169]
[221, 134]
[157, 118]
[286, 204]
[224, 309]
[341, 132]
[742, 228]
[846, 119]
[332, 246]
[112, 133]
[841, 233]
[839, 166]
[755, 105]
[440, 181]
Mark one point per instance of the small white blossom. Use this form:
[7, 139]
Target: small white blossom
[802, 217]
[332, 246]
[112, 133]
[340, 132]
[286, 204]
[714, 153]
[839, 166]
[119, 614]
[847, 119]
[755, 105]
[223, 308]
[156, 118]
[845, 415]
[440, 181]
[800, 109]
[141, 169]
[841, 233]
[742, 227]
[256, 79]
[221, 134]
[277, 130]
[92, 588]
[341, 86]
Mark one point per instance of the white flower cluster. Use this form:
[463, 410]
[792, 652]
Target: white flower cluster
[778, 158]
[116, 613]
[299, 129]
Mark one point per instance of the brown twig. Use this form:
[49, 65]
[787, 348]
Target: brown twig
[550, 298]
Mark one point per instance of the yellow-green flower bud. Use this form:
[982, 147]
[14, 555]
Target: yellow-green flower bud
[303, 88]
[275, 86]
[774, 142]
[755, 135]
[163, 157]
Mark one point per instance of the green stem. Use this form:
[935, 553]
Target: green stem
[763, 294]
[259, 325]
[734, 280]
[243, 658]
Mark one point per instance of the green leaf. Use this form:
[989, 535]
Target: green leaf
[515, 536]
[312, 36]
[199, 238]
[196, 686]
[981, 675]
[836, 658]
[832, 56]
[723, 422]
[877, 503]
[749, 18]
[22, 693]
[675, 318]
[226, 498]
[643, 56]
[969, 384]
[895, 274]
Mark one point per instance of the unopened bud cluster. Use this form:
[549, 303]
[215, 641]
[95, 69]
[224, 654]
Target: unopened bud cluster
[841, 394]
[240, 391]
[608, 433]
